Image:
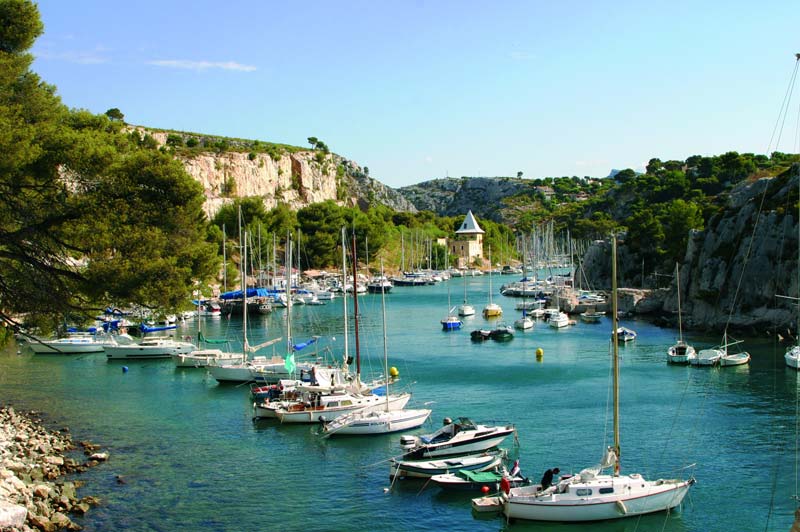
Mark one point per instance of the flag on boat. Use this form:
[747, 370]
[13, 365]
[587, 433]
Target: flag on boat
[303, 345]
[515, 470]
[289, 364]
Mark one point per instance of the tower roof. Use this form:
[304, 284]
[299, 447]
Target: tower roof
[469, 226]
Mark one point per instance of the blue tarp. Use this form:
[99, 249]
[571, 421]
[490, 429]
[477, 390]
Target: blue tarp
[303, 345]
[251, 292]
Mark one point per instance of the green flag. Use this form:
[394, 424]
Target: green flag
[290, 365]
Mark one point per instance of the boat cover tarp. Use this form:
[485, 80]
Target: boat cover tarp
[479, 476]
[202, 338]
[303, 345]
[251, 292]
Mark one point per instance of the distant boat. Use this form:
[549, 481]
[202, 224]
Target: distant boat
[492, 310]
[681, 352]
[592, 316]
[502, 333]
[148, 348]
[451, 322]
[74, 344]
[625, 335]
[720, 355]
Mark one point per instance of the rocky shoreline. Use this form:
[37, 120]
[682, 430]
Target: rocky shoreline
[34, 494]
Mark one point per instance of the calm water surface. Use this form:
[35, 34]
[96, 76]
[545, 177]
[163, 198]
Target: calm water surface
[192, 458]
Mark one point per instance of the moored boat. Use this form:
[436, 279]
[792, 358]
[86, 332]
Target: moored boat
[148, 348]
[460, 437]
[427, 468]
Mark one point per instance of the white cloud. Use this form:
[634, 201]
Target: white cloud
[202, 65]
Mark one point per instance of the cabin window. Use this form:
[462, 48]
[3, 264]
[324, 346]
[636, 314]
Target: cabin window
[606, 490]
[346, 403]
[583, 492]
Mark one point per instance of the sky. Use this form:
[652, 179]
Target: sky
[418, 90]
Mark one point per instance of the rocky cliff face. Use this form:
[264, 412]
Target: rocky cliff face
[455, 196]
[296, 179]
[734, 270]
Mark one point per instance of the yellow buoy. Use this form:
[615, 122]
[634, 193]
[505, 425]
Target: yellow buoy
[393, 372]
[539, 353]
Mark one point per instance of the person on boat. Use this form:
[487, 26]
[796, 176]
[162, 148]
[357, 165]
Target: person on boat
[547, 478]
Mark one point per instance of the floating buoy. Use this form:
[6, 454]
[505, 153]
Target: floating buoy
[539, 353]
[124, 369]
[484, 489]
[393, 372]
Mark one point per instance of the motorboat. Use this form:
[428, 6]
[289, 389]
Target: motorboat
[149, 348]
[451, 323]
[460, 437]
[559, 320]
[427, 468]
[464, 479]
[625, 335]
[502, 333]
[792, 357]
[74, 344]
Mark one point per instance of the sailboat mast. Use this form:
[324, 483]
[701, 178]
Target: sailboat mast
[224, 263]
[288, 267]
[244, 295]
[355, 309]
[680, 324]
[615, 349]
[344, 299]
[385, 348]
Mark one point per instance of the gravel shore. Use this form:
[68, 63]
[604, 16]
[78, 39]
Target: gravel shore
[34, 461]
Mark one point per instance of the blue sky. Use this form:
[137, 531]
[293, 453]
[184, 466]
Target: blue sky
[418, 90]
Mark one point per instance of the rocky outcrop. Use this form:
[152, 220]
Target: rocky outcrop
[455, 196]
[296, 177]
[33, 463]
[735, 270]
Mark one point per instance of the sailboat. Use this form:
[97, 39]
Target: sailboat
[376, 421]
[259, 368]
[465, 309]
[681, 352]
[525, 321]
[720, 355]
[592, 495]
[492, 310]
[451, 322]
[792, 356]
[326, 405]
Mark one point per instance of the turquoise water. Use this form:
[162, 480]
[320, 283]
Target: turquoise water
[192, 458]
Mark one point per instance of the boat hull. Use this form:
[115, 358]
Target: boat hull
[382, 423]
[474, 445]
[429, 468]
[646, 498]
[137, 352]
[313, 415]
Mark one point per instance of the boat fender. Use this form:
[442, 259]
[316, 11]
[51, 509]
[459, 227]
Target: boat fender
[622, 508]
[505, 485]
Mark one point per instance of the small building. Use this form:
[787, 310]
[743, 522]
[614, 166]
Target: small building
[468, 242]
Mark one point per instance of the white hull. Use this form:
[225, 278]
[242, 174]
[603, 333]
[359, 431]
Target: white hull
[466, 310]
[681, 354]
[792, 357]
[632, 496]
[231, 373]
[706, 357]
[205, 357]
[56, 347]
[560, 321]
[737, 359]
[146, 352]
[429, 468]
[524, 323]
[365, 403]
[377, 422]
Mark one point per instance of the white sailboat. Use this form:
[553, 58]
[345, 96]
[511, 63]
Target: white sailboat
[377, 421]
[792, 356]
[492, 310]
[592, 495]
[322, 406]
[681, 352]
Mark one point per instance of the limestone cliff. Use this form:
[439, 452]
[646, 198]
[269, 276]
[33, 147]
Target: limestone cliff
[296, 177]
[734, 271]
[455, 196]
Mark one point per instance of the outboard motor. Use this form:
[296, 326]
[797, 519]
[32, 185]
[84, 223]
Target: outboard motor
[408, 442]
[447, 421]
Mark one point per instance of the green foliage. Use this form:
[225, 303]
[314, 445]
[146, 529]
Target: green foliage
[87, 215]
[192, 142]
[115, 114]
[174, 140]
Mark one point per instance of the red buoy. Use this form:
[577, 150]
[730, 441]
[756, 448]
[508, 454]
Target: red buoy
[485, 489]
